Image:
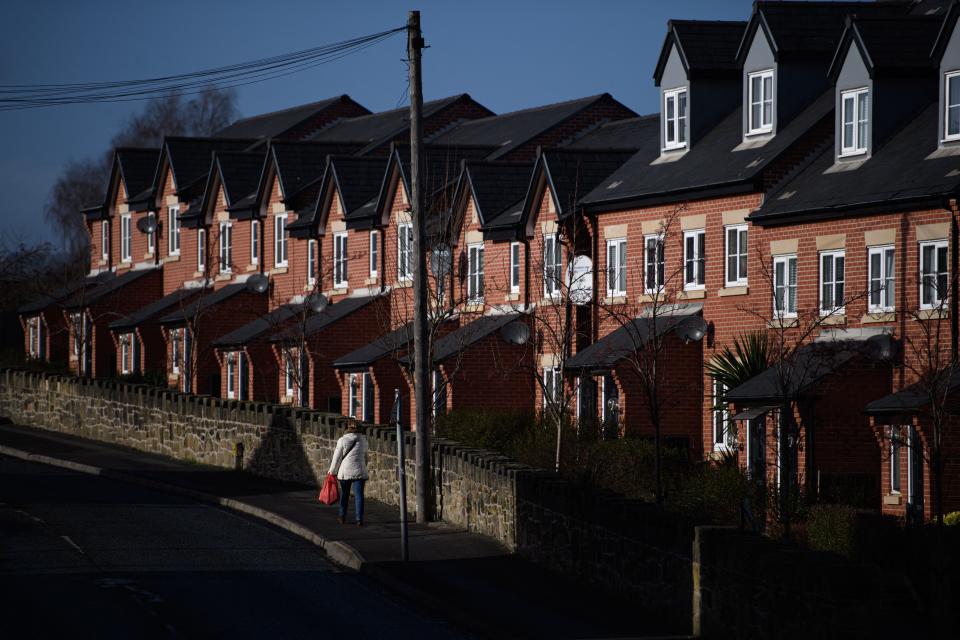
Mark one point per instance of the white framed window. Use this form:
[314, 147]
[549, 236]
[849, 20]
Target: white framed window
[616, 267]
[125, 352]
[105, 240]
[694, 245]
[374, 252]
[231, 375]
[951, 106]
[254, 242]
[173, 231]
[226, 247]
[126, 238]
[354, 395]
[201, 250]
[32, 338]
[552, 386]
[439, 393]
[152, 235]
[552, 265]
[368, 397]
[176, 354]
[721, 418]
[933, 274]
[881, 279]
[280, 240]
[736, 254]
[854, 113]
[832, 276]
[653, 263]
[404, 251]
[514, 267]
[289, 375]
[75, 322]
[311, 262]
[340, 261]
[895, 462]
[760, 86]
[675, 118]
[475, 273]
[785, 286]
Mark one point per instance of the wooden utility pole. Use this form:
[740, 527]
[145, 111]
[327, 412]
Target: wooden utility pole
[421, 347]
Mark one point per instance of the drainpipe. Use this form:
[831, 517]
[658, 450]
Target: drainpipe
[263, 250]
[954, 289]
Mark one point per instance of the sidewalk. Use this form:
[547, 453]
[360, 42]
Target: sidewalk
[471, 579]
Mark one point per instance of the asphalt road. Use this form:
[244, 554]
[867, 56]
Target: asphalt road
[86, 557]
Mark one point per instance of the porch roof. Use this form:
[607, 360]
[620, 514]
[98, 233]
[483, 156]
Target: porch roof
[917, 396]
[258, 327]
[204, 302]
[152, 310]
[361, 358]
[467, 335]
[85, 299]
[606, 352]
[63, 292]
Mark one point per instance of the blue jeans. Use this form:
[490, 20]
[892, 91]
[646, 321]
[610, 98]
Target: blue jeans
[345, 497]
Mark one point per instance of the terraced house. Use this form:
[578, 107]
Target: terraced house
[798, 180]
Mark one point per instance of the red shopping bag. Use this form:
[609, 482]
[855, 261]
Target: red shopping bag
[330, 492]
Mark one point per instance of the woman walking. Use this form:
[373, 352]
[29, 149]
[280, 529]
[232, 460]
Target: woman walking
[350, 466]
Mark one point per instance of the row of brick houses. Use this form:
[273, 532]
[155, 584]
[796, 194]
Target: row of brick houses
[800, 179]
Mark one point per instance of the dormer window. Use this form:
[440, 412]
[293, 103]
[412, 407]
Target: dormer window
[761, 102]
[675, 118]
[855, 119]
[951, 119]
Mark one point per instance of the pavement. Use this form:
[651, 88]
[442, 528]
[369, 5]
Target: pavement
[471, 579]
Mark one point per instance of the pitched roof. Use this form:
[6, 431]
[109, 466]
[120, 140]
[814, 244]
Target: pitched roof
[239, 173]
[137, 167]
[906, 169]
[204, 302]
[335, 312]
[385, 345]
[106, 287]
[717, 163]
[276, 123]
[617, 345]
[301, 163]
[191, 158]
[894, 45]
[258, 327]
[495, 186]
[63, 292]
[629, 133]
[469, 334]
[573, 173]
[378, 129]
[917, 396]
[506, 132]
[703, 45]
[357, 181]
[155, 308]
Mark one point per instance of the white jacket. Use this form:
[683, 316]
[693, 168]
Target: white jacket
[350, 457]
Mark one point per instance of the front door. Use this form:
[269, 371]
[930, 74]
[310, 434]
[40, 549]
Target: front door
[756, 449]
[915, 477]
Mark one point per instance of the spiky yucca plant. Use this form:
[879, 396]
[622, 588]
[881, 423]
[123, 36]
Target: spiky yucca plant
[748, 356]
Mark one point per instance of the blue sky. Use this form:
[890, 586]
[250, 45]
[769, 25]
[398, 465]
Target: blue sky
[507, 55]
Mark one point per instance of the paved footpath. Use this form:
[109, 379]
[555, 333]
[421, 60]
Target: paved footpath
[470, 578]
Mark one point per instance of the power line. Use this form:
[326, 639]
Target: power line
[17, 97]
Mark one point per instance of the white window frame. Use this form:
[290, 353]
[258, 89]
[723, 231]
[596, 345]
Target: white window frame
[105, 240]
[367, 382]
[173, 230]
[226, 247]
[289, 375]
[836, 283]
[280, 237]
[374, 247]
[254, 242]
[762, 101]
[404, 254]
[694, 265]
[354, 395]
[552, 265]
[616, 272]
[201, 250]
[858, 146]
[231, 375]
[475, 273]
[311, 262]
[659, 263]
[125, 353]
[126, 238]
[895, 459]
[940, 297]
[152, 235]
[720, 438]
[340, 264]
[785, 260]
[551, 380]
[514, 267]
[947, 136]
[33, 349]
[678, 121]
[175, 349]
[886, 290]
[740, 253]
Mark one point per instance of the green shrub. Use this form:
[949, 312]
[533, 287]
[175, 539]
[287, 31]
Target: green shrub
[713, 492]
[832, 527]
[952, 519]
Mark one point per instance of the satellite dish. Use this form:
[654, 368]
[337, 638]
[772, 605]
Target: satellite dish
[440, 261]
[580, 280]
[515, 332]
[692, 329]
[883, 347]
[147, 224]
[258, 283]
[316, 302]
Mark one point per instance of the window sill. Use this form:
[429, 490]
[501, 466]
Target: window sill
[879, 316]
[403, 284]
[512, 297]
[371, 280]
[833, 319]
[473, 307]
[651, 297]
[279, 270]
[738, 290]
[785, 322]
[892, 500]
[692, 294]
[173, 258]
[550, 300]
[124, 265]
[617, 299]
[101, 262]
[220, 277]
[931, 314]
[147, 256]
[844, 155]
[252, 267]
[335, 292]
